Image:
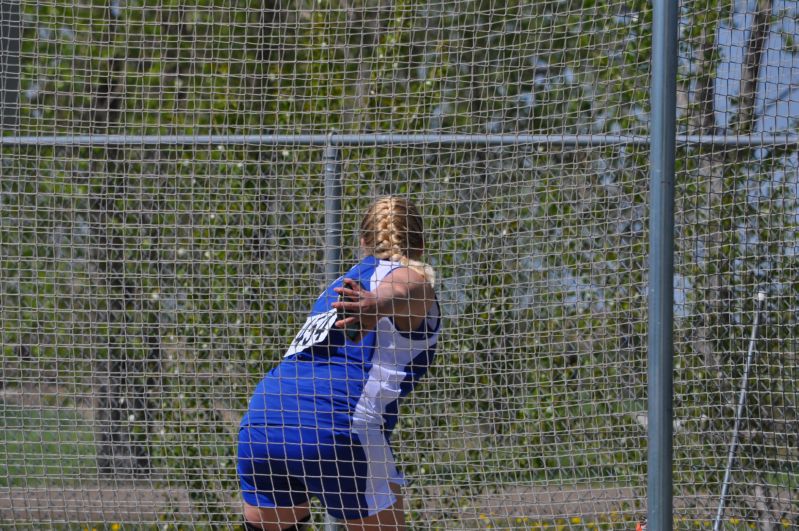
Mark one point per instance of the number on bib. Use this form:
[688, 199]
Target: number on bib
[313, 332]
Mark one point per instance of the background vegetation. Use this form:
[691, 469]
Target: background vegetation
[144, 289]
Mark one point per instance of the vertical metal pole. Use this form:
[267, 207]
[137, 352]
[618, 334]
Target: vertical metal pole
[9, 64]
[739, 412]
[333, 186]
[661, 264]
[332, 257]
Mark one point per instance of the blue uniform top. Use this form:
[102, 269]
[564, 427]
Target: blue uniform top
[329, 382]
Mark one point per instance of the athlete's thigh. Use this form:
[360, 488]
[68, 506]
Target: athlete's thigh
[354, 480]
[391, 519]
[275, 518]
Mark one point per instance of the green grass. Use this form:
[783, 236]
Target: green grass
[44, 446]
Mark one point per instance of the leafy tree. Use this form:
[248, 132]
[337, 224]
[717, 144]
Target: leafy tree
[735, 231]
[162, 280]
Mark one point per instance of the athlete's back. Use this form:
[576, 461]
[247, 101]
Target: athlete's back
[326, 380]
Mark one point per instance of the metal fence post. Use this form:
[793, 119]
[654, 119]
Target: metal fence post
[661, 264]
[332, 253]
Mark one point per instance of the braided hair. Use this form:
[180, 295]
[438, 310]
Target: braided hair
[392, 230]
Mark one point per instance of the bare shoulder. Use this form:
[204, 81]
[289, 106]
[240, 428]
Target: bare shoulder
[406, 296]
[410, 283]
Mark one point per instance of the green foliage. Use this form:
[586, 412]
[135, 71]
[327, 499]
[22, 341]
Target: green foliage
[41, 445]
[165, 280]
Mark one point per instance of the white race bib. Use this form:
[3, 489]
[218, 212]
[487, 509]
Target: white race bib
[314, 331]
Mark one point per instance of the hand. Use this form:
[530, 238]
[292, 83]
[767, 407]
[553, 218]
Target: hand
[359, 306]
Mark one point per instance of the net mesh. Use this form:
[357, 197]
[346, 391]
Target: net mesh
[736, 231]
[146, 287]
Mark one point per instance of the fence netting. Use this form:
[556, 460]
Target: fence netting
[146, 286]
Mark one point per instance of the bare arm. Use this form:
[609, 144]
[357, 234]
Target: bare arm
[403, 295]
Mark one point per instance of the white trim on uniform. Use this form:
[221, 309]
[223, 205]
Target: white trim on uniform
[393, 353]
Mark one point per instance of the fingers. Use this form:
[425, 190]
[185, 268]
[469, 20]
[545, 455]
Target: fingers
[348, 303]
[352, 285]
[349, 293]
[352, 292]
[347, 321]
[354, 299]
[360, 307]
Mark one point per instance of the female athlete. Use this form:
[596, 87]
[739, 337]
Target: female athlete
[319, 423]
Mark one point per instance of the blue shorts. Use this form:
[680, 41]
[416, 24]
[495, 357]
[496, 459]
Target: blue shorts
[284, 467]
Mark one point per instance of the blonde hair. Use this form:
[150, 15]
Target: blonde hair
[392, 230]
